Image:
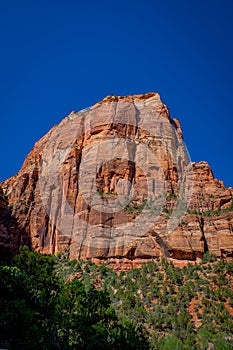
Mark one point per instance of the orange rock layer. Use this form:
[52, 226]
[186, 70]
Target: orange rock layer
[114, 183]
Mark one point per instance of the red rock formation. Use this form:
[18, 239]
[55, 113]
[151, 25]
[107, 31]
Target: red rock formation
[115, 183]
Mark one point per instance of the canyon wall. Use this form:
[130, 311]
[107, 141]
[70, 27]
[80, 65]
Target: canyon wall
[115, 183]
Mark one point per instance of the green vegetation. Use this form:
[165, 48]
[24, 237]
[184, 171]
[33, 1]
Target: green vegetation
[133, 207]
[100, 192]
[41, 310]
[171, 195]
[209, 213]
[147, 205]
[49, 302]
[106, 195]
[206, 213]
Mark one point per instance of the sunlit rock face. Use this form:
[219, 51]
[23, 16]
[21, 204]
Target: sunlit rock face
[114, 182]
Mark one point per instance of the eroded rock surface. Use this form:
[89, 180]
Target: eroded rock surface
[115, 183]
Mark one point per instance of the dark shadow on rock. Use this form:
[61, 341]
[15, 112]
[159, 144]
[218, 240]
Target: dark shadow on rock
[12, 236]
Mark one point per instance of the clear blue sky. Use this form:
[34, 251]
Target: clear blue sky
[59, 56]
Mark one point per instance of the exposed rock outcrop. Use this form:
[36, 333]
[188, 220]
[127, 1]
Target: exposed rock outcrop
[114, 182]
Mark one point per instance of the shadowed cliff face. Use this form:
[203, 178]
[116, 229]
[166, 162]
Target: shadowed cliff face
[12, 233]
[115, 182]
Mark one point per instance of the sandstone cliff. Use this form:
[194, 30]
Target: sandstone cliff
[115, 183]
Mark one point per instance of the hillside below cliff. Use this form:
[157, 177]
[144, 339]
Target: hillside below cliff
[114, 183]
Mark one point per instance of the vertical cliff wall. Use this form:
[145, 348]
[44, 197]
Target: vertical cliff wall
[115, 182]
